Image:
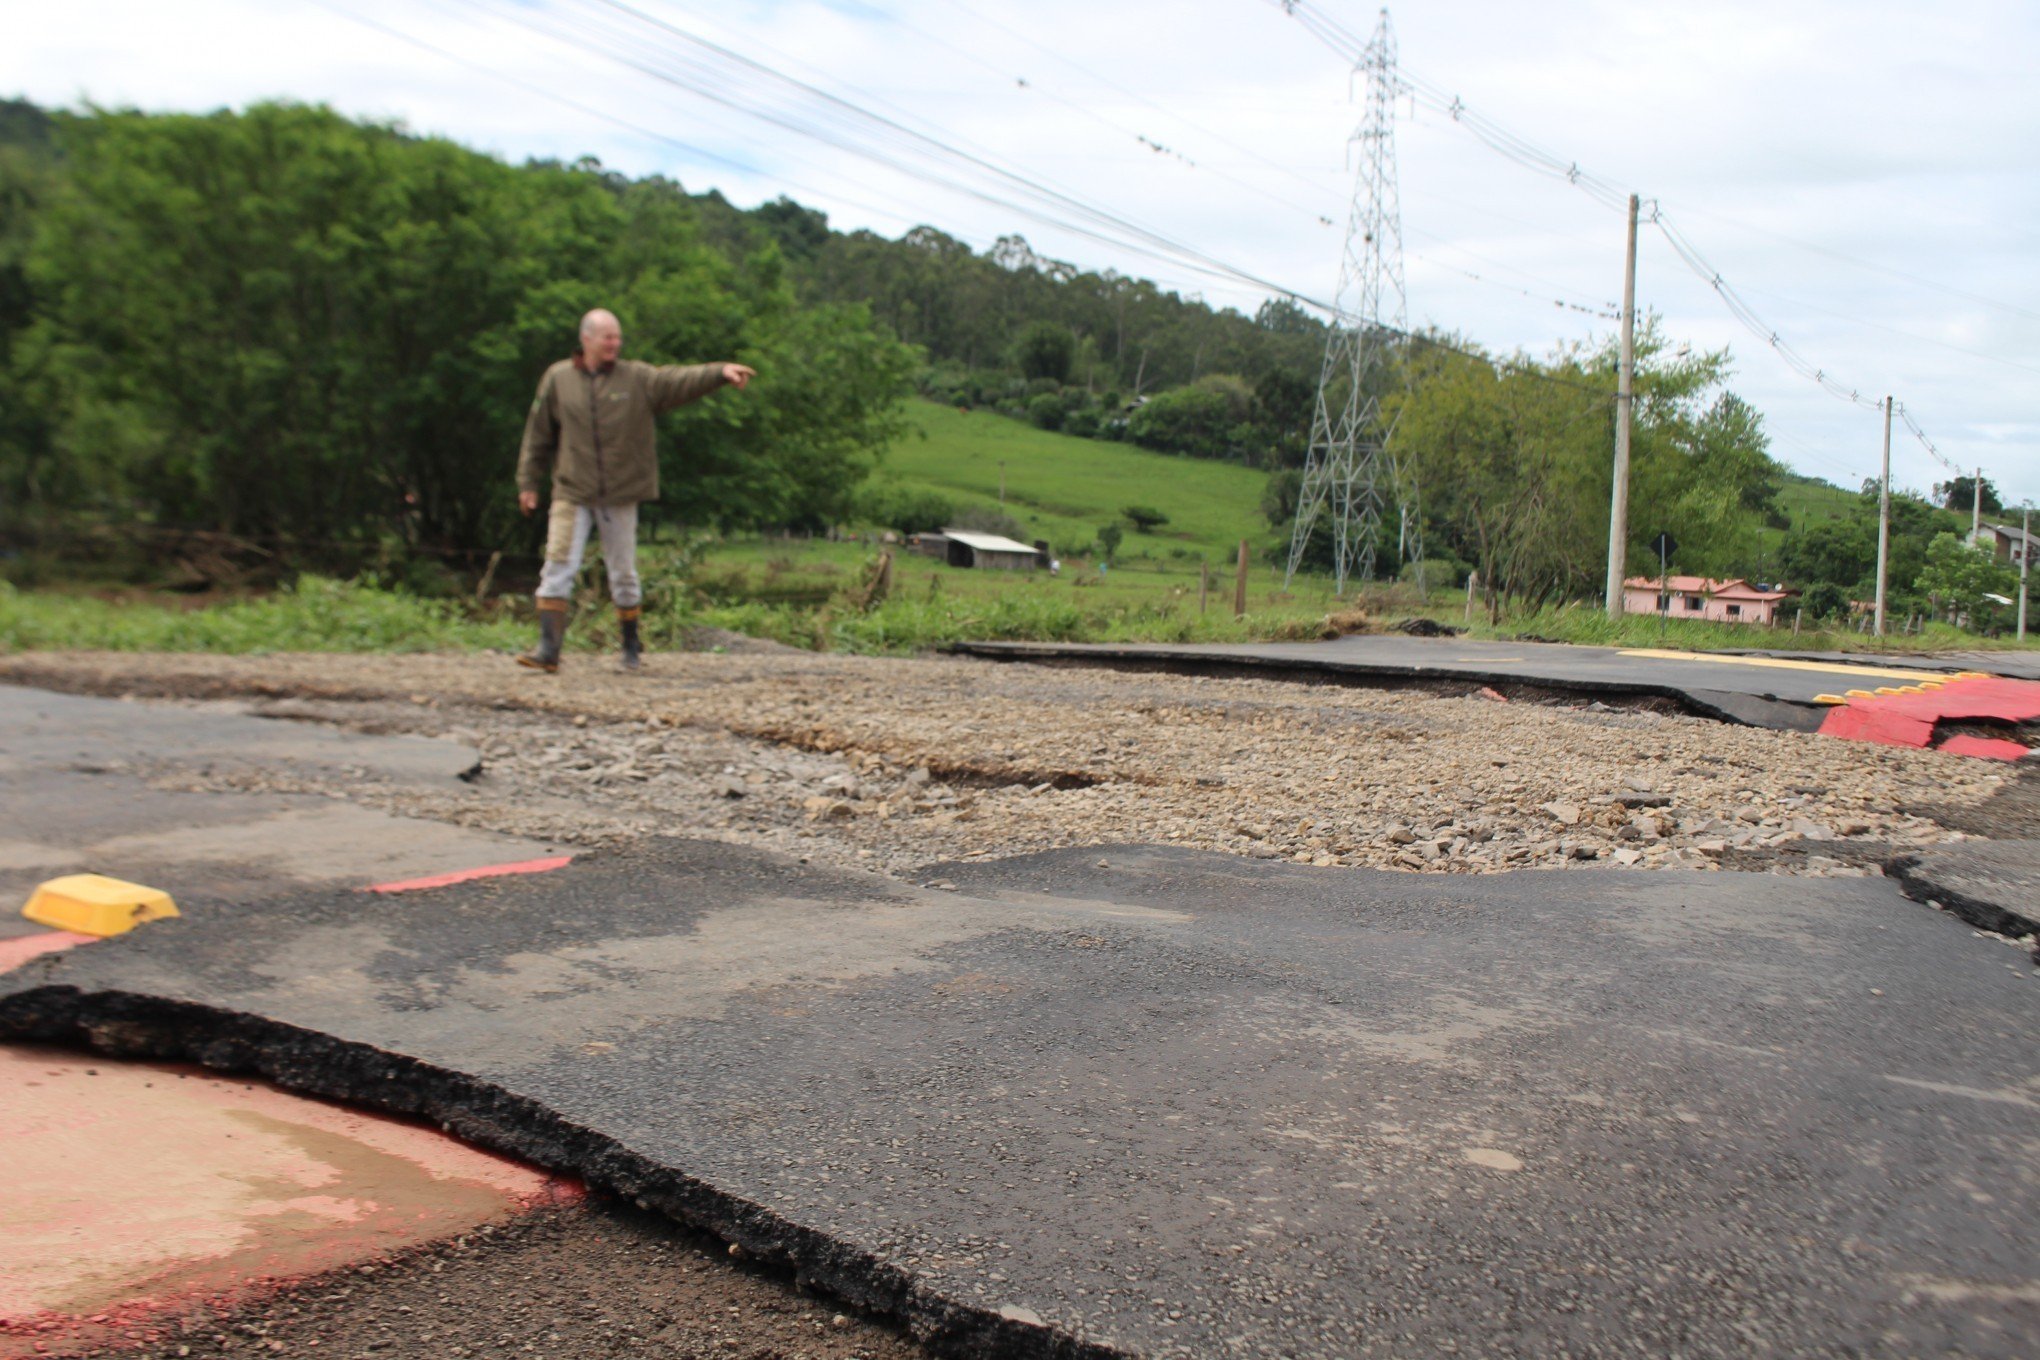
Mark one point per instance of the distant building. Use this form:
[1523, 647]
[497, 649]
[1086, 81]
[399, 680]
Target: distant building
[964, 548]
[1701, 597]
[2009, 542]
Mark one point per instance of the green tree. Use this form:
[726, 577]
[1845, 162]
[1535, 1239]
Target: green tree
[1109, 539]
[285, 323]
[1960, 494]
[1144, 518]
[1957, 576]
[1046, 350]
[1841, 553]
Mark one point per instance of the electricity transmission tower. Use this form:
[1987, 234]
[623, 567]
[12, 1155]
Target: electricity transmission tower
[1348, 469]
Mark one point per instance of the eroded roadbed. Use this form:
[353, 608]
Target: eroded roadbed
[1163, 1102]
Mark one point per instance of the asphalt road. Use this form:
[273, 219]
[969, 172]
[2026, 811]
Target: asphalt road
[1157, 1102]
[102, 786]
[1764, 690]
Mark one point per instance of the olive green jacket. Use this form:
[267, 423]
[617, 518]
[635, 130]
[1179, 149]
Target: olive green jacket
[591, 434]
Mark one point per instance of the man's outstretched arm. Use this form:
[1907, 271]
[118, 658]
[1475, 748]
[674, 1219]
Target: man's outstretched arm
[681, 383]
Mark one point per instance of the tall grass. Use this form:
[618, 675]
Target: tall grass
[316, 614]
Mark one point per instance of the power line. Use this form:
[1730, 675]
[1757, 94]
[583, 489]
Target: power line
[1105, 226]
[1926, 443]
[627, 125]
[1610, 194]
[1859, 262]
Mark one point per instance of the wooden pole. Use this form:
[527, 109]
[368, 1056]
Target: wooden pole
[2025, 561]
[1884, 519]
[1625, 367]
[1239, 598]
[1203, 584]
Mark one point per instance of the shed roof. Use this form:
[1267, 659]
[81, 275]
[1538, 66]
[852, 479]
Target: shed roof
[988, 542]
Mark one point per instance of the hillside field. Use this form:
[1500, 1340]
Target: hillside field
[1065, 489]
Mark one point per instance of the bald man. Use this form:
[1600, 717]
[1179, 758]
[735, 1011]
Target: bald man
[590, 436]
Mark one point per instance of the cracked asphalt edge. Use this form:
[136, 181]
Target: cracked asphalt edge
[131, 1025]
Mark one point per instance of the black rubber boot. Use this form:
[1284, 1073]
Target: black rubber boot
[633, 649]
[552, 632]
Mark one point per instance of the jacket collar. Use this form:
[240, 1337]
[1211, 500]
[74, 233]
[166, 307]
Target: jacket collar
[581, 364]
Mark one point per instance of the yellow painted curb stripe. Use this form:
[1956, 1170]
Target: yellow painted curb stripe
[1785, 664]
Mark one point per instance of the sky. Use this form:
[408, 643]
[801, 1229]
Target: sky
[1865, 174]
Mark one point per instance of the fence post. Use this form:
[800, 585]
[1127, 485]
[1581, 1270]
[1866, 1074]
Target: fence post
[1239, 599]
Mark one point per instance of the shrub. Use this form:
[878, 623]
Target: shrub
[1145, 518]
[1046, 410]
[911, 510]
[1083, 423]
[1438, 572]
[1825, 600]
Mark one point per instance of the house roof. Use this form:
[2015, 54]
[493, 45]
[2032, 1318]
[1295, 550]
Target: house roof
[988, 542]
[1743, 590]
[1735, 588]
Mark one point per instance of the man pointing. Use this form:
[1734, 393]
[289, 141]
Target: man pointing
[590, 434]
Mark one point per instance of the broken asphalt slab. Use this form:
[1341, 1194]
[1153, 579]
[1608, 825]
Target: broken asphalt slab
[1992, 884]
[1755, 689]
[114, 787]
[1171, 1103]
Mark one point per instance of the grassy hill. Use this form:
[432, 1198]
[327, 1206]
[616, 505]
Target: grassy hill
[1065, 489]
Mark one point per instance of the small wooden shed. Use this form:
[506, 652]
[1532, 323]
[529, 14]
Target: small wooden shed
[967, 548]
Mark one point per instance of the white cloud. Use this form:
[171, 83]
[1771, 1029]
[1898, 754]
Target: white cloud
[1895, 133]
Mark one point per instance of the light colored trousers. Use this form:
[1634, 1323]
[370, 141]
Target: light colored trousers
[566, 541]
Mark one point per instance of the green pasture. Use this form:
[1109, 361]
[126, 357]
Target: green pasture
[1064, 489]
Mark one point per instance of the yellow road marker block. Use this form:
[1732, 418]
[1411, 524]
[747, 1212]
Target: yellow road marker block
[93, 904]
[1861, 694]
[1829, 699]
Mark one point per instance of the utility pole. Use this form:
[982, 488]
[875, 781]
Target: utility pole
[1976, 506]
[2025, 560]
[1884, 518]
[1625, 366]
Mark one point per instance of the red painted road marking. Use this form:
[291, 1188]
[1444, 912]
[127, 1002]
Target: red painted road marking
[1909, 719]
[15, 952]
[1988, 748]
[528, 866]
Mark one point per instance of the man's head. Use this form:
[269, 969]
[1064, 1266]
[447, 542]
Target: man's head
[601, 337]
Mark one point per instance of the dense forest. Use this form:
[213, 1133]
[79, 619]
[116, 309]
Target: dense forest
[319, 335]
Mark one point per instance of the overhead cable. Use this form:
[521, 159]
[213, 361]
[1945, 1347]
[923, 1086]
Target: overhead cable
[1351, 48]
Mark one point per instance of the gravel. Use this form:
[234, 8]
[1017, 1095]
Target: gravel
[891, 764]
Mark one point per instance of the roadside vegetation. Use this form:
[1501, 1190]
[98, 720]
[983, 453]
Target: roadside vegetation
[282, 413]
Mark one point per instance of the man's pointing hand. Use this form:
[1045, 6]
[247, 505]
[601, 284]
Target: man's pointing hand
[738, 375]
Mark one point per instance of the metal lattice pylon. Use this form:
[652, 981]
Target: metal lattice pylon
[1348, 468]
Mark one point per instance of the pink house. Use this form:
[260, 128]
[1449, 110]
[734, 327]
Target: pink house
[1699, 597]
